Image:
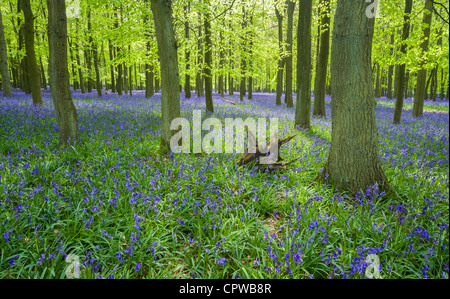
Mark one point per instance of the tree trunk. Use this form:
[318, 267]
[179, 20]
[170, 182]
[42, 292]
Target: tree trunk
[170, 82]
[378, 83]
[98, 84]
[4, 70]
[111, 59]
[421, 92]
[289, 40]
[401, 67]
[250, 60]
[353, 162]
[57, 39]
[187, 81]
[198, 78]
[208, 61]
[322, 61]
[303, 107]
[35, 81]
[280, 58]
[391, 71]
[242, 88]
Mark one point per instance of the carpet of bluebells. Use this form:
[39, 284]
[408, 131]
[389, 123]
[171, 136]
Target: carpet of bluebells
[128, 212]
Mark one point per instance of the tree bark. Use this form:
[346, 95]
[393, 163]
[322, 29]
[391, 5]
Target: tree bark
[187, 81]
[170, 82]
[421, 92]
[390, 71]
[303, 107]
[62, 99]
[4, 70]
[280, 58]
[401, 67]
[35, 81]
[353, 162]
[289, 40]
[322, 61]
[208, 61]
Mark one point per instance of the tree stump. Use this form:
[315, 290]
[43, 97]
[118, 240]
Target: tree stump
[249, 158]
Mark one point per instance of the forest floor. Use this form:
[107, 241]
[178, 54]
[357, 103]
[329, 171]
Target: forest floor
[127, 212]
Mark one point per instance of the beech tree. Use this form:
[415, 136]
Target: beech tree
[303, 107]
[421, 89]
[66, 113]
[353, 163]
[35, 81]
[170, 81]
[401, 68]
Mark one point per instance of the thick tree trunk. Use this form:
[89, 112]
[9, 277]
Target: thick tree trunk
[353, 162]
[289, 69]
[421, 92]
[303, 107]
[322, 61]
[57, 38]
[280, 58]
[4, 70]
[35, 81]
[170, 97]
[401, 67]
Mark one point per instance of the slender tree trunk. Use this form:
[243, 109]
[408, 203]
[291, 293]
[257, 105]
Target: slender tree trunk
[35, 81]
[208, 61]
[199, 78]
[242, 88]
[289, 40]
[221, 66]
[390, 71]
[250, 60]
[187, 82]
[4, 70]
[170, 97]
[401, 67]
[421, 92]
[280, 58]
[303, 107]
[322, 61]
[353, 162]
[62, 99]
[111, 59]
[378, 83]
